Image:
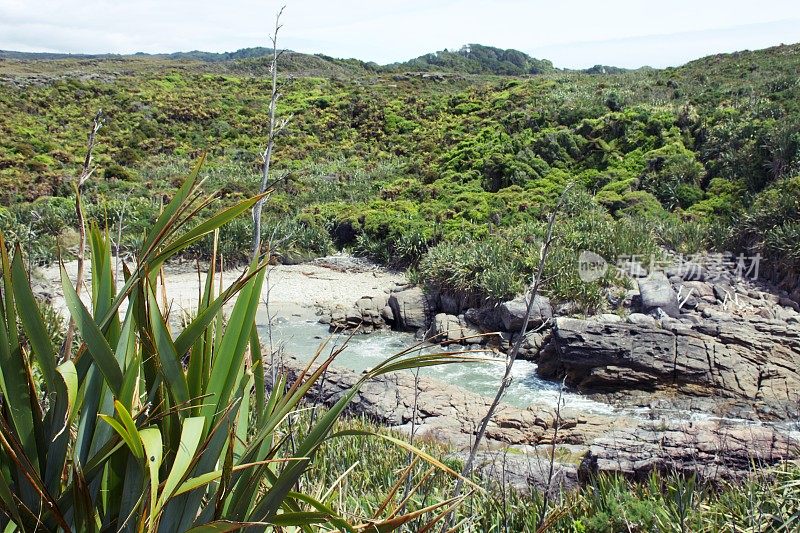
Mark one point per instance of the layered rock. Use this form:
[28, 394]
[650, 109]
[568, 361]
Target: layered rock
[368, 314]
[741, 366]
[605, 443]
[708, 449]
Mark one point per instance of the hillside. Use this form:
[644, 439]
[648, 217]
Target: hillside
[414, 169]
[651, 382]
[470, 59]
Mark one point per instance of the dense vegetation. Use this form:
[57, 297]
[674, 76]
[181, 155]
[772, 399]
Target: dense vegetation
[411, 169]
[123, 432]
[449, 173]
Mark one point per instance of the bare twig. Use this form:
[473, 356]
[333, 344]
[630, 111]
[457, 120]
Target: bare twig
[512, 356]
[86, 172]
[274, 129]
[556, 425]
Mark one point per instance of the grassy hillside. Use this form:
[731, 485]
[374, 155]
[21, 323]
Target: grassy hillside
[425, 170]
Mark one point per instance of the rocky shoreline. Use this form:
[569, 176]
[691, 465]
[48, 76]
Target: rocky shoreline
[713, 359]
[711, 356]
[592, 443]
[692, 337]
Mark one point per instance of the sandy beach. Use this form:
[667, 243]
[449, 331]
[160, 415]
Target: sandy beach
[294, 290]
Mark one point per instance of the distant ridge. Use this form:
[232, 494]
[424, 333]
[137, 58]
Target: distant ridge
[469, 59]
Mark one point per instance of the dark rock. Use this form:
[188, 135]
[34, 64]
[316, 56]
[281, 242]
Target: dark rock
[568, 309]
[410, 307]
[656, 292]
[688, 271]
[791, 304]
[487, 318]
[723, 291]
[513, 312]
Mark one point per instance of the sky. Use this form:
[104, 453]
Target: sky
[571, 33]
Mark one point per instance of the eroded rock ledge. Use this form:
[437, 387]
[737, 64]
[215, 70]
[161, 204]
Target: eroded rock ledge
[744, 368]
[601, 443]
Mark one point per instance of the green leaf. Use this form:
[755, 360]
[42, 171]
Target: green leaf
[408, 447]
[69, 374]
[260, 388]
[98, 346]
[120, 429]
[170, 363]
[16, 387]
[222, 526]
[126, 429]
[59, 420]
[303, 518]
[191, 434]
[197, 482]
[228, 359]
[201, 230]
[157, 231]
[32, 322]
[153, 447]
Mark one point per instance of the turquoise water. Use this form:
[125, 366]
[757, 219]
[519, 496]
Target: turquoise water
[301, 338]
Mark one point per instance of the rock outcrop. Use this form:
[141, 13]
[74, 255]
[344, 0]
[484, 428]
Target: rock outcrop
[602, 443]
[411, 308]
[512, 313]
[368, 314]
[741, 368]
[449, 329]
[708, 449]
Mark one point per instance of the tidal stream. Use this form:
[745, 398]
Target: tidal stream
[301, 338]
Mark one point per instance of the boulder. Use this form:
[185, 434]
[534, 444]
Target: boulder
[688, 271]
[471, 333]
[486, 318]
[410, 308]
[699, 289]
[723, 291]
[365, 315]
[456, 303]
[791, 304]
[446, 328]
[512, 313]
[656, 292]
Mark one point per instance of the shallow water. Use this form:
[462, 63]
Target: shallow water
[301, 338]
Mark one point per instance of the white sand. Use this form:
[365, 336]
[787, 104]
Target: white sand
[296, 290]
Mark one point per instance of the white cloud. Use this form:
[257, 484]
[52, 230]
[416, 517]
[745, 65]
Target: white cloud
[623, 32]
